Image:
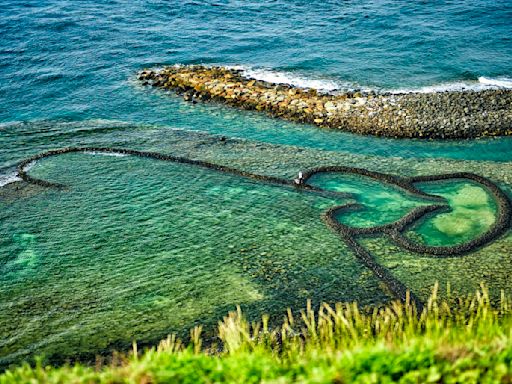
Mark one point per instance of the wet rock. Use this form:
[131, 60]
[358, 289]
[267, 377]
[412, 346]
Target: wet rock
[412, 115]
[188, 96]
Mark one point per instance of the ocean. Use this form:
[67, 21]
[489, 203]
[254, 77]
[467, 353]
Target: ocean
[138, 249]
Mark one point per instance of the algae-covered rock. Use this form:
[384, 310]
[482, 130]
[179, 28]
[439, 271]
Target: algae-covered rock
[414, 115]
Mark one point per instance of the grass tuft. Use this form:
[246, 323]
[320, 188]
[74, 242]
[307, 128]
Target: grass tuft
[453, 340]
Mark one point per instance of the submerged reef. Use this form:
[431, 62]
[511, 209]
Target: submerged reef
[349, 234]
[437, 115]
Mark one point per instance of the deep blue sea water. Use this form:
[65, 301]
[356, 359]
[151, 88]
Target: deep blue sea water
[75, 61]
[136, 249]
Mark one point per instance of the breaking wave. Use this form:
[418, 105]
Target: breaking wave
[335, 85]
[9, 179]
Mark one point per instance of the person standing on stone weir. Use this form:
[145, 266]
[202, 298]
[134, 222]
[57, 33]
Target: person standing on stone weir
[300, 179]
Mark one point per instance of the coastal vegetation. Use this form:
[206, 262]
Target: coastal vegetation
[454, 340]
[435, 115]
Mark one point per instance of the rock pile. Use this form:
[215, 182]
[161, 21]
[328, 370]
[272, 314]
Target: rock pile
[410, 115]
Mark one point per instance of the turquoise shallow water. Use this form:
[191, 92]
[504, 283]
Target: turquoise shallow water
[76, 61]
[137, 249]
[473, 212]
[381, 204]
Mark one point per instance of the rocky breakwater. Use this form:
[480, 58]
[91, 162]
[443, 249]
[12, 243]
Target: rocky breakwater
[439, 115]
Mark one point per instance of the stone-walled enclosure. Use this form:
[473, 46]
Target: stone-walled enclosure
[348, 234]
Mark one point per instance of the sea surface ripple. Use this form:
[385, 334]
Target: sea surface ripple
[75, 61]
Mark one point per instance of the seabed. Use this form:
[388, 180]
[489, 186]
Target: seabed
[114, 244]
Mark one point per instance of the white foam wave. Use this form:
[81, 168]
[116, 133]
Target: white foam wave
[503, 82]
[337, 86]
[9, 179]
[279, 77]
[29, 166]
[482, 84]
[444, 87]
[112, 154]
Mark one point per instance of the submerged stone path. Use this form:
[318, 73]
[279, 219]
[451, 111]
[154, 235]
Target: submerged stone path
[439, 115]
[395, 231]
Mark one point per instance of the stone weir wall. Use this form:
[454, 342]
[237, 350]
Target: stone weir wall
[410, 115]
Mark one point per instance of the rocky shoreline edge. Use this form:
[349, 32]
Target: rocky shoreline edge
[439, 115]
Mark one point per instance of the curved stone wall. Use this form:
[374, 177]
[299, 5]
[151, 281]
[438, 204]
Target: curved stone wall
[410, 115]
[348, 234]
[396, 229]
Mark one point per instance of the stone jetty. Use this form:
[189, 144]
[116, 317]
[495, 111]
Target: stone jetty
[439, 115]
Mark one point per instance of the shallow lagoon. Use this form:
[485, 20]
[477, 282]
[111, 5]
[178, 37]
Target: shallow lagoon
[138, 248]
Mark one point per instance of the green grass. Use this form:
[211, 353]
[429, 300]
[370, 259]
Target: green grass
[463, 340]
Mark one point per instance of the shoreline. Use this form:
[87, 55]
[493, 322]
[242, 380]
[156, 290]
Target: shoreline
[436, 115]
